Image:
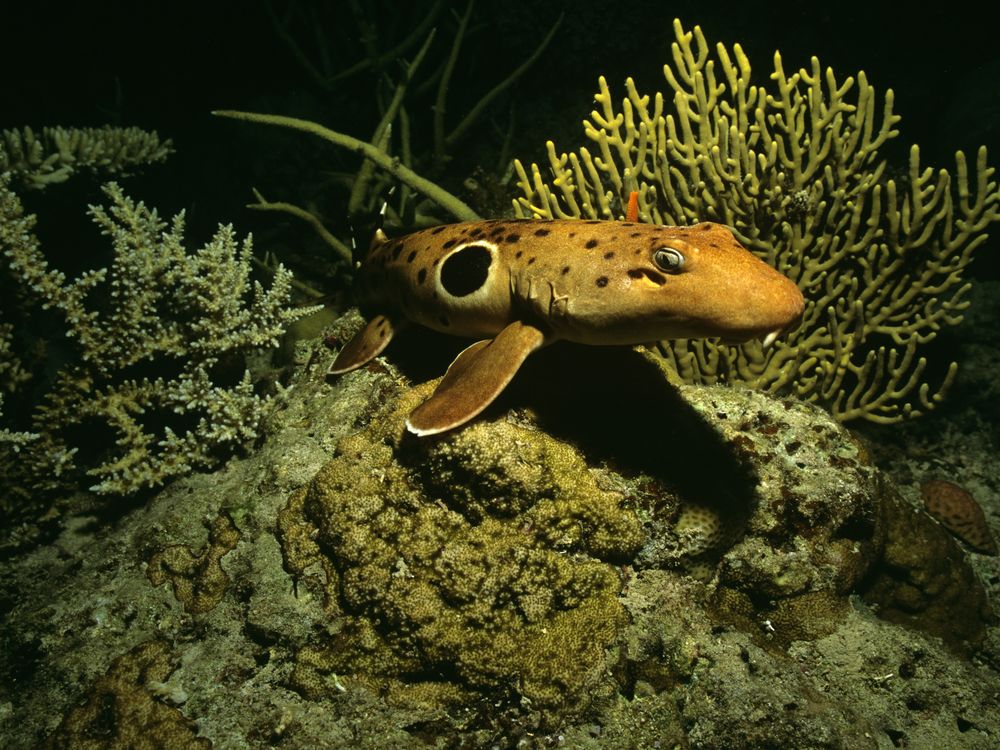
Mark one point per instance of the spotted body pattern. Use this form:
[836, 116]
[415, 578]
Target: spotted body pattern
[521, 284]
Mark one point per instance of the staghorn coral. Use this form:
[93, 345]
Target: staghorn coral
[153, 336]
[794, 169]
[958, 511]
[56, 153]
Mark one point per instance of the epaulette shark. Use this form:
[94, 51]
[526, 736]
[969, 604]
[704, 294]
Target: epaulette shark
[520, 284]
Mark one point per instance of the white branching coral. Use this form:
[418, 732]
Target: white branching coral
[56, 153]
[154, 333]
[794, 169]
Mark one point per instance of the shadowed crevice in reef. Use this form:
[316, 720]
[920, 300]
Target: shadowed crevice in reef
[615, 405]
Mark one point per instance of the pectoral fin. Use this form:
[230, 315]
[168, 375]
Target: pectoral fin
[476, 377]
[367, 344]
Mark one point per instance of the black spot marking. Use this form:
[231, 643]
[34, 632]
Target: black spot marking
[628, 224]
[466, 270]
[519, 253]
[636, 273]
[496, 231]
[591, 244]
[565, 270]
[436, 261]
[443, 320]
[477, 232]
[572, 234]
[713, 244]
[421, 275]
[541, 232]
[513, 237]
[592, 221]
[706, 227]
[437, 230]
[636, 234]
[396, 251]
[609, 255]
[450, 243]
[602, 281]
[411, 256]
[530, 261]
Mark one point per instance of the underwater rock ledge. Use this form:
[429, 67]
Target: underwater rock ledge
[600, 558]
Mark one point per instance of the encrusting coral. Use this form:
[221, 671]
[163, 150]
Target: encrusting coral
[131, 706]
[794, 170]
[156, 340]
[476, 571]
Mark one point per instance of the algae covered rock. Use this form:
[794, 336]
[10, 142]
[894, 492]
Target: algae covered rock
[480, 565]
[504, 569]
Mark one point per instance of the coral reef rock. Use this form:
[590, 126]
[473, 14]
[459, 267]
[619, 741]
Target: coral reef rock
[600, 560]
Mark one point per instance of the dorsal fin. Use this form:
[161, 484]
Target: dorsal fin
[632, 212]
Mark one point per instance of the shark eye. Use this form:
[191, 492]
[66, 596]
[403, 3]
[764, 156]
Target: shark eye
[669, 260]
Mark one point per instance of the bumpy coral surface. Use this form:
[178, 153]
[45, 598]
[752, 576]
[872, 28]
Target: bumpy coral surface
[477, 567]
[523, 582]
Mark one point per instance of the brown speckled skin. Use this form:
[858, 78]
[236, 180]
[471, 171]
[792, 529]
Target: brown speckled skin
[593, 282]
[957, 510]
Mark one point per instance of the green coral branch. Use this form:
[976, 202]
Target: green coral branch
[262, 204]
[383, 131]
[488, 98]
[323, 72]
[391, 165]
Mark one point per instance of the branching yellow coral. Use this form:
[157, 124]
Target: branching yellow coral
[794, 170]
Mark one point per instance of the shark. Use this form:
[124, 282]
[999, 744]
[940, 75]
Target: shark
[516, 285]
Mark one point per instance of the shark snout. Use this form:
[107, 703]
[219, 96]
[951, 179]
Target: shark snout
[772, 312]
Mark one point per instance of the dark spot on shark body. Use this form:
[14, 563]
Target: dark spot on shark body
[466, 270]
